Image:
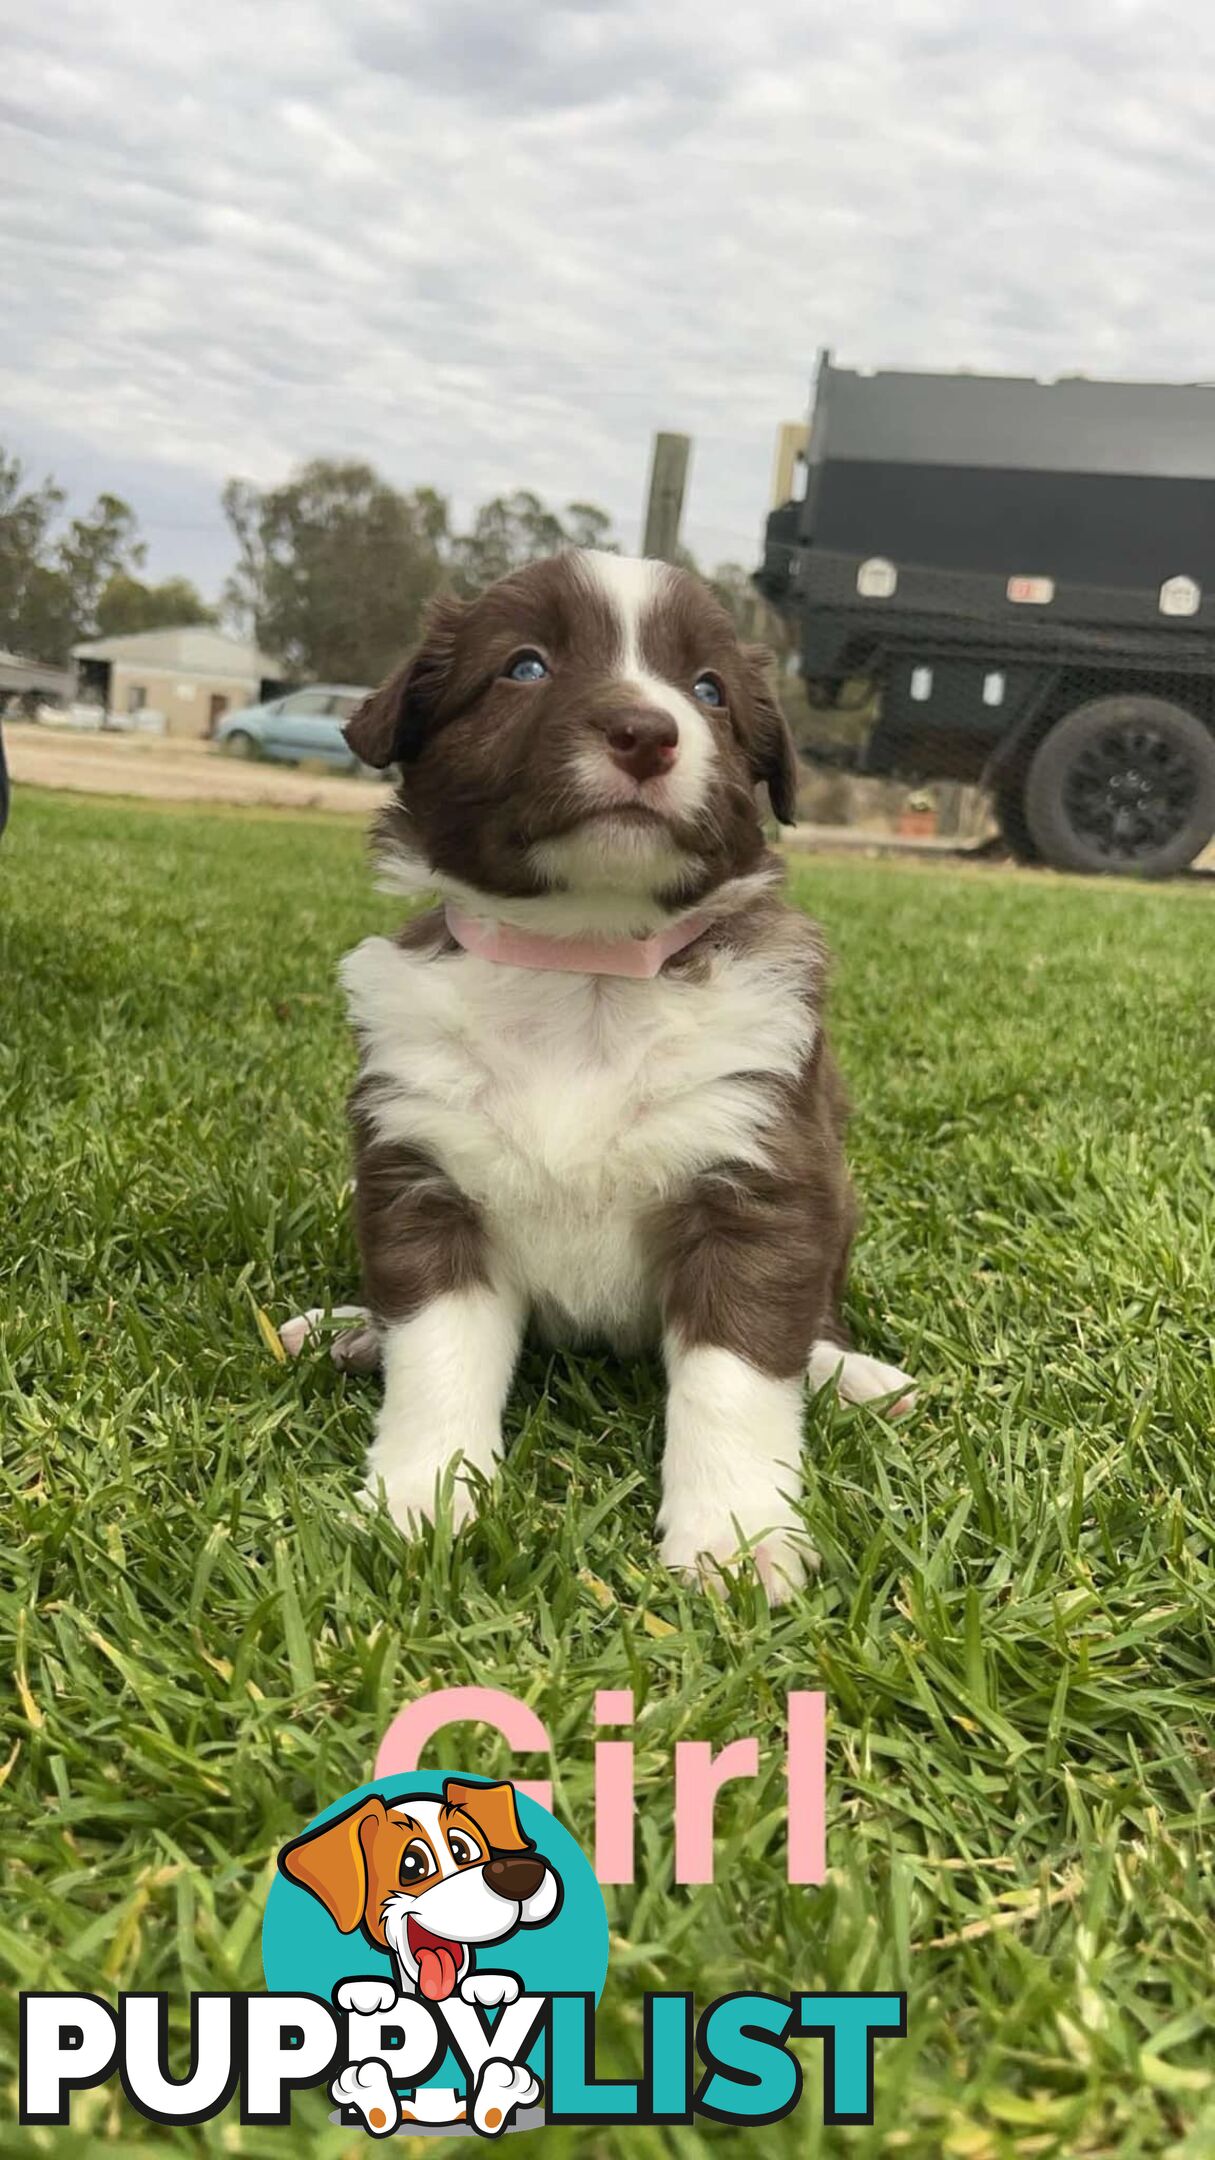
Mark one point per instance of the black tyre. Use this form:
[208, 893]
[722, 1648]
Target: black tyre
[238, 744]
[1125, 784]
[1008, 802]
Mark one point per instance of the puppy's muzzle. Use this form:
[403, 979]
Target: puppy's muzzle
[517, 1876]
[644, 743]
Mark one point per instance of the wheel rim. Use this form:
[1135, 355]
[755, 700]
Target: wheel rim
[1130, 790]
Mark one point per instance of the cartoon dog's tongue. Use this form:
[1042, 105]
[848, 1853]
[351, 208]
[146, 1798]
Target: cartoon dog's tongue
[438, 1961]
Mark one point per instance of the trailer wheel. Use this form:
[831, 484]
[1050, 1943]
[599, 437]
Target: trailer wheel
[1124, 784]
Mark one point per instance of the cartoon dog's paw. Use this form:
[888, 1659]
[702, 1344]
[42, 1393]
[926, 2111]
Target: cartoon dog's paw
[367, 1998]
[489, 1988]
[501, 2088]
[367, 2087]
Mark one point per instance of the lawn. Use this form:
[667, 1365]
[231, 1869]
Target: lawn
[1015, 1617]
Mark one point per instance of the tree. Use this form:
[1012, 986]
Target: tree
[587, 526]
[50, 585]
[732, 585]
[47, 625]
[127, 605]
[516, 529]
[31, 611]
[95, 549]
[26, 517]
[335, 567]
[750, 614]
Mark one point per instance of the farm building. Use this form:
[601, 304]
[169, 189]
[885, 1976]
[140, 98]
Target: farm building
[193, 676]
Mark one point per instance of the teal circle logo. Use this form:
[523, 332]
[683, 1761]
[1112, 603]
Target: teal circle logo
[476, 1880]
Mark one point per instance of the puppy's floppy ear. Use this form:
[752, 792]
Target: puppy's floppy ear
[493, 1808]
[332, 1862]
[773, 753]
[391, 725]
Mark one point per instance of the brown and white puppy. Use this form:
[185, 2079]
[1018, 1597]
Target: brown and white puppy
[617, 1159]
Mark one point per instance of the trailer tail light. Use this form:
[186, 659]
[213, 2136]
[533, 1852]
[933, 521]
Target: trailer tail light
[877, 579]
[1031, 591]
[1180, 596]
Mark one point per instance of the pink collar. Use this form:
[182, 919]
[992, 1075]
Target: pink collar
[511, 947]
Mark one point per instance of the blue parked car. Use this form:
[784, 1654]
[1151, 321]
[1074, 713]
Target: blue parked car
[302, 724]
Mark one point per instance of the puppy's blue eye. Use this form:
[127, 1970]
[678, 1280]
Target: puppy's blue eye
[527, 667]
[708, 690]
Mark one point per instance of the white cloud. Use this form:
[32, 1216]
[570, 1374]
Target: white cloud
[490, 246]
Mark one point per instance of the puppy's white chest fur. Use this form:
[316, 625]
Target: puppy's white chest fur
[567, 1106]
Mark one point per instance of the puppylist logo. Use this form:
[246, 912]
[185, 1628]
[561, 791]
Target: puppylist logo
[434, 1948]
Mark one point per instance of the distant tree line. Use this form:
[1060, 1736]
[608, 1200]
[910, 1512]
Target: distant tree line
[333, 568]
[62, 580]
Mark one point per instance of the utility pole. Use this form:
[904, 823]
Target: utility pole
[664, 502]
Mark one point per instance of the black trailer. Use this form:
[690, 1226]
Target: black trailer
[1025, 574]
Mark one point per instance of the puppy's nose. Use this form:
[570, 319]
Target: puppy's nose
[518, 1876]
[644, 743]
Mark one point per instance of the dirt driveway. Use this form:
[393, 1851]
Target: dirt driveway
[166, 769]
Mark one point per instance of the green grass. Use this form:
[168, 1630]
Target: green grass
[1015, 1618]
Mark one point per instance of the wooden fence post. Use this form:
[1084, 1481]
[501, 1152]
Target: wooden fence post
[664, 501]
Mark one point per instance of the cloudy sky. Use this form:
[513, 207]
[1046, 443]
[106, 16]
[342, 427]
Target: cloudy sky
[491, 243]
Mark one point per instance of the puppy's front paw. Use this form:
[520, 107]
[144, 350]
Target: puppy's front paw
[294, 1333]
[368, 2087]
[356, 1350]
[697, 1545]
[409, 1484]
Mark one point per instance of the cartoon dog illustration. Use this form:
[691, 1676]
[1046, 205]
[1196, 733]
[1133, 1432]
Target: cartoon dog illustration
[430, 1881]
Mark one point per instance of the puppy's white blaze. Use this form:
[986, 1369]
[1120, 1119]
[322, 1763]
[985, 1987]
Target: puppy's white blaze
[734, 1438]
[446, 1376]
[633, 584]
[633, 587]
